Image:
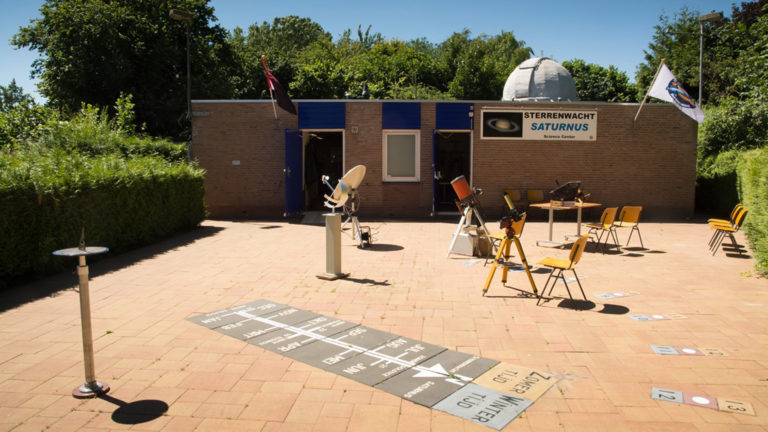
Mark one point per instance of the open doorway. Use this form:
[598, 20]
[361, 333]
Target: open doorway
[323, 155]
[454, 158]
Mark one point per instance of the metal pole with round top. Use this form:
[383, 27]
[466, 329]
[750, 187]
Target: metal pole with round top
[91, 387]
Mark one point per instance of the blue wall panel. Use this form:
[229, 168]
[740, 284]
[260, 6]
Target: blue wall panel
[322, 115]
[453, 116]
[401, 115]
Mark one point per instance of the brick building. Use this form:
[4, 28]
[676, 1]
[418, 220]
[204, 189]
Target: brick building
[261, 166]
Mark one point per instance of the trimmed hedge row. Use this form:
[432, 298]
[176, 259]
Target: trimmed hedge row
[753, 190]
[45, 199]
[716, 185]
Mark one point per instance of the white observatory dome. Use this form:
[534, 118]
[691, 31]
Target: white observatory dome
[540, 79]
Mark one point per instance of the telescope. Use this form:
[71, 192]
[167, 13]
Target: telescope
[467, 195]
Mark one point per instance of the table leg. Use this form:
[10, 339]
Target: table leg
[551, 225]
[578, 221]
[551, 222]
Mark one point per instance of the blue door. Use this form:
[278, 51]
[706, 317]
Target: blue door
[435, 172]
[294, 195]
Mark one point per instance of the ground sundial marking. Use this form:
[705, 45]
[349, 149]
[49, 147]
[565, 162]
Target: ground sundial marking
[426, 374]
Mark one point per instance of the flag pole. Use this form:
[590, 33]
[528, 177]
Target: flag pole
[273, 103]
[648, 91]
[269, 85]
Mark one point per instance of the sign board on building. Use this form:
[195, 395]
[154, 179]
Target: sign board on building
[519, 124]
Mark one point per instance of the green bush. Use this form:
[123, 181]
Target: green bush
[91, 133]
[753, 189]
[716, 189]
[19, 123]
[45, 199]
[733, 125]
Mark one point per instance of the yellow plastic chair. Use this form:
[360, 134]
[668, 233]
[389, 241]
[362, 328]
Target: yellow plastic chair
[559, 265]
[535, 195]
[604, 227]
[730, 219]
[516, 197]
[628, 218]
[727, 230]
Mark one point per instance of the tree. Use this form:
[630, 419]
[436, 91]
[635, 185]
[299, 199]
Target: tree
[19, 116]
[92, 50]
[676, 40]
[738, 65]
[12, 96]
[596, 83]
[282, 42]
[482, 65]
[321, 73]
[733, 50]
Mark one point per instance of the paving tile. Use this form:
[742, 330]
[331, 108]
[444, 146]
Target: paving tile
[269, 407]
[217, 425]
[374, 418]
[218, 410]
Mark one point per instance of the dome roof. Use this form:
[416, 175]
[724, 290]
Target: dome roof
[540, 79]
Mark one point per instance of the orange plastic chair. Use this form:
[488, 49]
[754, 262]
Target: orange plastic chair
[628, 218]
[559, 265]
[605, 226]
[727, 230]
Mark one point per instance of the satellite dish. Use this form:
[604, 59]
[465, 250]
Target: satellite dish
[338, 197]
[354, 177]
[345, 194]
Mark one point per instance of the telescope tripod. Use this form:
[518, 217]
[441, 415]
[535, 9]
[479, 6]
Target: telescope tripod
[504, 247]
[465, 223]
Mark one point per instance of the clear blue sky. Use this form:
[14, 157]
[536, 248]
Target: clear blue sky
[605, 32]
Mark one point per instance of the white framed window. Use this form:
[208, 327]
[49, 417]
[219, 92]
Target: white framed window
[401, 155]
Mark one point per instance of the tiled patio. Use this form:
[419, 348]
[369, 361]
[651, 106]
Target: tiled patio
[147, 350]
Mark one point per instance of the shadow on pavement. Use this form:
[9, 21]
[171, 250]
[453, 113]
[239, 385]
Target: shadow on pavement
[31, 290]
[588, 305]
[382, 247]
[137, 412]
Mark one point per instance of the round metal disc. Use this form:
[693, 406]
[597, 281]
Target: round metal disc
[354, 176]
[89, 250]
[85, 392]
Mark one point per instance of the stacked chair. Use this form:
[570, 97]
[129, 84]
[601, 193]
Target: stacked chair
[728, 227]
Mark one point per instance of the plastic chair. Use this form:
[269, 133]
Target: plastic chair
[559, 265]
[535, 195]
[516, 196]
[605, 226]
[628, 218]
[726, 229]
[730, 219]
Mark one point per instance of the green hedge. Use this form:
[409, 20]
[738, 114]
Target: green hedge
[753, 190]
[716, 183]
[45, 199]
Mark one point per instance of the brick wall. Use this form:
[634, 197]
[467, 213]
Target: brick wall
[650, 163]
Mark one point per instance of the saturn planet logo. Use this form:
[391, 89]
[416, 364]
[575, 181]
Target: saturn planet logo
[679, 94]
[503, 125]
